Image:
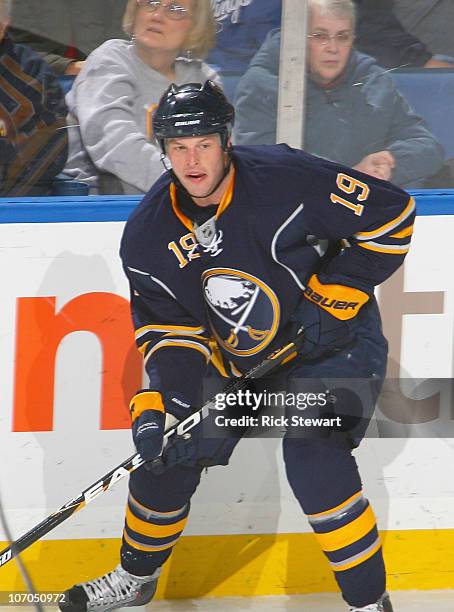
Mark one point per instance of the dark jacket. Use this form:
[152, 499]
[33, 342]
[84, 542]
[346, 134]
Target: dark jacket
[381, 35]
[363, 114]
[33, 138]
[430, 20]
[50, 27]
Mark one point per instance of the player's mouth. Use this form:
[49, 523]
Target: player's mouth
[196, 177]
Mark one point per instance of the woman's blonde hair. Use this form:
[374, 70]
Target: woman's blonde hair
[201, 36]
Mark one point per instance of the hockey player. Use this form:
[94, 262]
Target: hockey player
[231, 251]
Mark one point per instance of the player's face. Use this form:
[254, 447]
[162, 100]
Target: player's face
[327, 61]
[155, 31]
[199, 163]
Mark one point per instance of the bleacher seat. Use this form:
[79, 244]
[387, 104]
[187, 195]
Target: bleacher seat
[430, 92]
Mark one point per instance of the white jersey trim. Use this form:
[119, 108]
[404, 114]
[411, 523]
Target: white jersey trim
[156, 280]
[273, 246]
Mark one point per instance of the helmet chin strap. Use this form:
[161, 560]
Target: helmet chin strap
[180, 185]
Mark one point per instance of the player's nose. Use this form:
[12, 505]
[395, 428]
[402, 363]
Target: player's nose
[192, 157]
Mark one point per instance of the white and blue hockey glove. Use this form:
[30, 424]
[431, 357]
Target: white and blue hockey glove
[328, 314]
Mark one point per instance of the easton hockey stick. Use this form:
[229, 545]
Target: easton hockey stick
[135, 461]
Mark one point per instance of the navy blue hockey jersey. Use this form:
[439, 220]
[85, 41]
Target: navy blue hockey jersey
[229, 296]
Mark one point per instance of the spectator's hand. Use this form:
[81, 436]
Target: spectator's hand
[380, 165]
[436, 63]
[74, 68]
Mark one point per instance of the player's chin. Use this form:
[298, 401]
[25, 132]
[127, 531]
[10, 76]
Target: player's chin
[196, 185]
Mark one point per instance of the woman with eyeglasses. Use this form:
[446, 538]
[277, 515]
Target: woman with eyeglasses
[354, 114]
[111, 101]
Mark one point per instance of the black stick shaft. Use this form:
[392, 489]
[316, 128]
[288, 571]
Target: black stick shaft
[135, 461]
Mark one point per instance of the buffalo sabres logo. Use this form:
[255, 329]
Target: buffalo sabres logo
[243, 311]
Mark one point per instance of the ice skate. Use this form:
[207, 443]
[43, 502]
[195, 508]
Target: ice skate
[116, 589]
[382, 605]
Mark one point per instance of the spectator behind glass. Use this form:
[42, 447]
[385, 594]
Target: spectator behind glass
[66, 31]
[354, 114]
[33, 138]
[432, 21]
[241, 29]
[244, 24]
[111, 100]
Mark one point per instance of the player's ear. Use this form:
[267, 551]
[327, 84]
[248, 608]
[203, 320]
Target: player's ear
[228, 144]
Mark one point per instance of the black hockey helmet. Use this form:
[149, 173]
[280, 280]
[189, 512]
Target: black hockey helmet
[193, 109]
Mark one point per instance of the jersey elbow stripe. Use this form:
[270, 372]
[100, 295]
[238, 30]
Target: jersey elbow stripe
[189, 344]
[182, 330]
[143, 347]
[390, 249]
[405, 233]
[150, 338]
[384, 229]
[348, 534]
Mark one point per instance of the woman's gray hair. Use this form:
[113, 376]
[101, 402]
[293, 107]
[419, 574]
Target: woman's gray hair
[344, 9]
